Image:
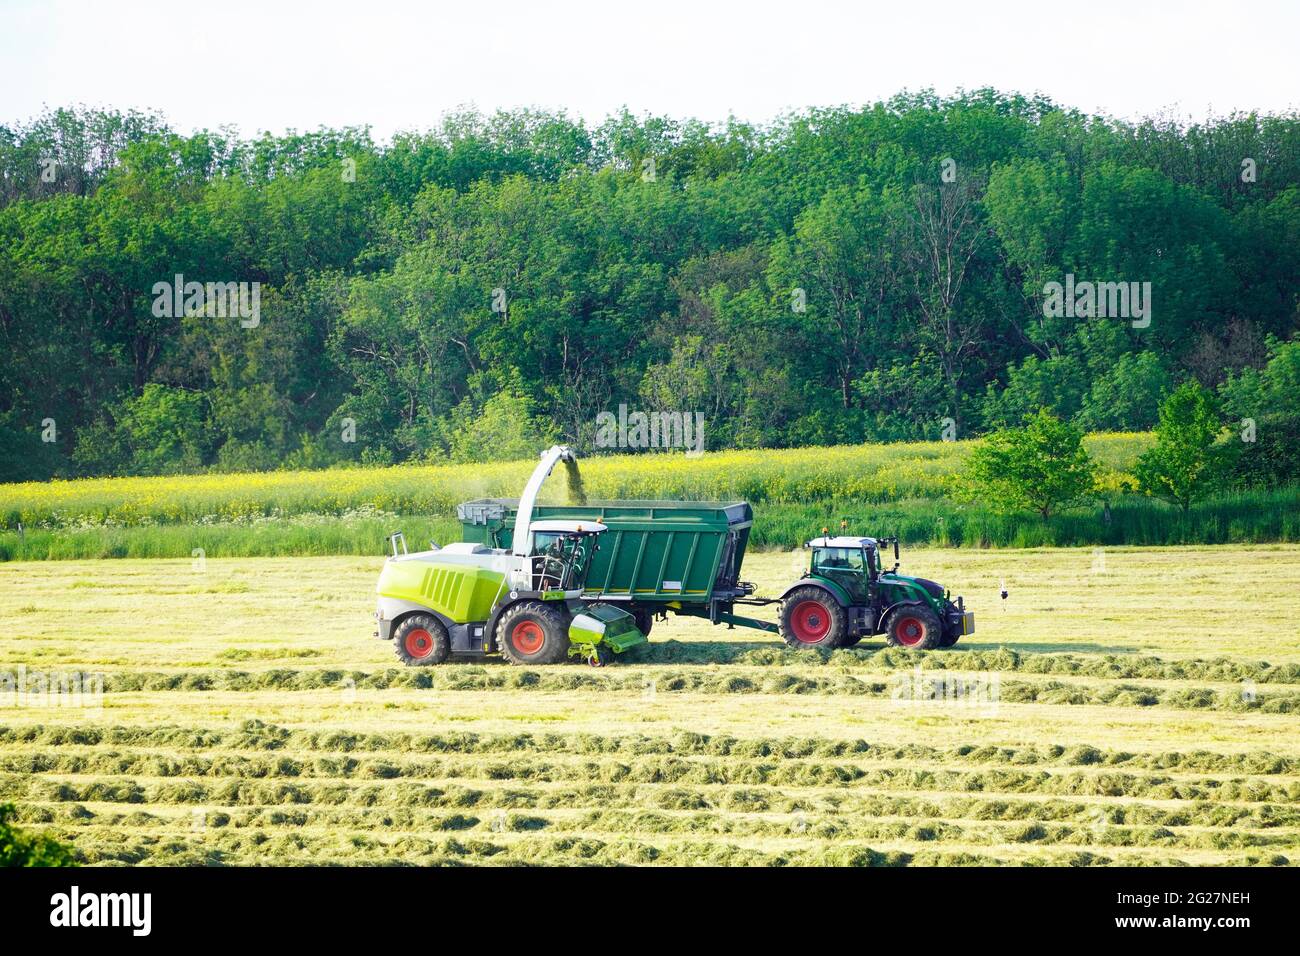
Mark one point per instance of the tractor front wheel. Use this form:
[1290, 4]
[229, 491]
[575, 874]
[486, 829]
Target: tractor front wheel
[422, 640]
[811, 617]
[534, 632]
[914, 627]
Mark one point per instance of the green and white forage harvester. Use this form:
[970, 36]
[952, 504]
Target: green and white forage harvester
[541, 583]
[524, 601]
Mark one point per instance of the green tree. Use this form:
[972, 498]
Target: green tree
[1188, 461]
[165, 429]
[1127, 397]
[1042, 465]
[504, 428]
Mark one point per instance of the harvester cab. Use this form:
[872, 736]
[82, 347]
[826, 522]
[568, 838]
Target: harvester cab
[847, 594]
[559, 555]
[522, 602]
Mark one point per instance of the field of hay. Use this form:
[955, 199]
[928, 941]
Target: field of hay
[1133, 707]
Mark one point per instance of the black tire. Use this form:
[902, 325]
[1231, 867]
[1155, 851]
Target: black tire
[421, 640]
[914, 627]
[812, 618]
[645, 620]
[534, 632]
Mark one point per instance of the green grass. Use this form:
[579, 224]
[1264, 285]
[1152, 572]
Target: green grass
[1145, 717]
[1247, 517]
[879, 489]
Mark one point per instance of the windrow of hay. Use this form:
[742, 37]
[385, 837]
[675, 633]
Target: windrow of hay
[758, 680]
[256, 735]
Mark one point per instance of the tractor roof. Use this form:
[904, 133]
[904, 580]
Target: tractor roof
[842, 541]
[564, 526]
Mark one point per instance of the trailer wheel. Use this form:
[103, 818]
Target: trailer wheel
[421, 640]
[644, 621]
[914, 627]
[810, 617]
[533, 632]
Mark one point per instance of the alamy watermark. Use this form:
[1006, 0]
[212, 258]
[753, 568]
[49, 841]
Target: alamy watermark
[980, 692]
[641, 430]
[215, 300]
[22, 688]
[1098, 300]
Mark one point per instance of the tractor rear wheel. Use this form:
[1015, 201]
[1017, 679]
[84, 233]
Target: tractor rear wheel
[811, 617]
[422, 640]
[914, 627]
[534, 632]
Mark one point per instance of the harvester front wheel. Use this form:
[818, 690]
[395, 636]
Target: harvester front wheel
[533, 632]
[811, 617]
[914, 627]
[422, 640]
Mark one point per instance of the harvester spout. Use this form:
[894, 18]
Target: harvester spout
[556, 453]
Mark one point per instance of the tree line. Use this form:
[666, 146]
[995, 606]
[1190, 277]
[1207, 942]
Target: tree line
[891, 272]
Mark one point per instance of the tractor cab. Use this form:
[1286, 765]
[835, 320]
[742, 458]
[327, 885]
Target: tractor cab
[852, 563]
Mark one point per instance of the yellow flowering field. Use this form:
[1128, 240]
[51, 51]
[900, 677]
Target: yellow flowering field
[860, 473]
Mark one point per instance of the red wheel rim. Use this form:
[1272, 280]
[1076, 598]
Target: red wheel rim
[810, 621]
[527, 637]
[909, 631]
[419, 643]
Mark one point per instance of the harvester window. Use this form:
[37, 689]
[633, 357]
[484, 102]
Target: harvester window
[559, 560]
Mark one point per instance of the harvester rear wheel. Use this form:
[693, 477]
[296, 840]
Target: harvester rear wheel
[422, 640]
[811, 617]
[533, 632]
[914, 627]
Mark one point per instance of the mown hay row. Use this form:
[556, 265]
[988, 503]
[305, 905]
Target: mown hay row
[803, 806]
[608, 822]
[743, 785]
[256, 735]
[1101, 666]
[538, 849]
[544, 768]
[928, 689]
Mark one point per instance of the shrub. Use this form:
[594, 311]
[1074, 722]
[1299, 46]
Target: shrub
[24, 849]
[1042, 466]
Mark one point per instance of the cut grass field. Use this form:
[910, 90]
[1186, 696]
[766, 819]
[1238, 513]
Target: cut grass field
[1144, 711]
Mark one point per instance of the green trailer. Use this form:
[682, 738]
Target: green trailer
[655, 558]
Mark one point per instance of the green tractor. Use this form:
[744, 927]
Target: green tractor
[846, 595]
[522, 602]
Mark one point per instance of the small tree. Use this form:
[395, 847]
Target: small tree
[1188, 461]
[1042, 466]
[24, 849]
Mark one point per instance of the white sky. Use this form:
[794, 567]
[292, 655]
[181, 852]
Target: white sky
[275, 65]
